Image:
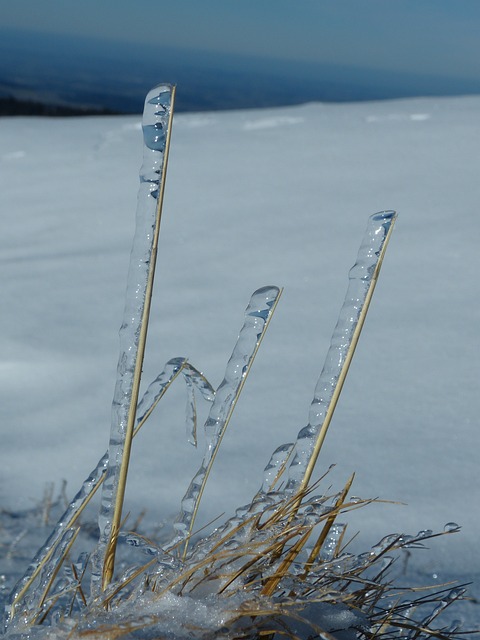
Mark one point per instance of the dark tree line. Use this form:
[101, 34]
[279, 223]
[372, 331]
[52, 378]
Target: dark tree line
[10, 106]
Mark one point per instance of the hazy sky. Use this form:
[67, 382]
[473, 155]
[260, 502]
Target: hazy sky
[429, 36]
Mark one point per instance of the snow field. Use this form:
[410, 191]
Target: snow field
[253, 198]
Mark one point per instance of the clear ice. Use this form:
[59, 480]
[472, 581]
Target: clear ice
[153, 394]
[257, 315]
[156, 118]
[360, 280]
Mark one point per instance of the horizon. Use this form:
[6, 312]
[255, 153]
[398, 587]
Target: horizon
[323, 52]
[315, 31]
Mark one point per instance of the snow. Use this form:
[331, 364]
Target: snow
[253, 198]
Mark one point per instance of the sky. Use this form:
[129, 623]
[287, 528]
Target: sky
[438, 37]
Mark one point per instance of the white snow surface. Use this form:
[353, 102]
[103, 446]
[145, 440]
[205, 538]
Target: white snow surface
[253, 198]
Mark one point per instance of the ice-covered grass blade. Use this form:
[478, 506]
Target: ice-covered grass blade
[157, 125]
[318, 546]
[362, 281]
[67, 520]
[194, 379]
[225, 591]
[258, 314]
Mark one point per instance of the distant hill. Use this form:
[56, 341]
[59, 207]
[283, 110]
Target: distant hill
[10, 106]
[52, 75]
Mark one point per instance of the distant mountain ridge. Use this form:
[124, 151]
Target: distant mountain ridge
[54, 73]
[11, 106]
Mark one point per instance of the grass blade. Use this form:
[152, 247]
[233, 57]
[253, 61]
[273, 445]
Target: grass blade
[157, 127]
[347, 332]
[226, 397]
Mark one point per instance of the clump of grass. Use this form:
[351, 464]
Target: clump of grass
[280, 567]
[276, 569]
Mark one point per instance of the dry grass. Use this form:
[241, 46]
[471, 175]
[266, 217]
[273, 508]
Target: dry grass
[280, 568]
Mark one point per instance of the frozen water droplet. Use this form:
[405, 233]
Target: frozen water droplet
[456, 593]
[384, 216]
[160, 96]
[387, 542]
[426, 533]
[455, 625]
[451, 526]
[155, 136]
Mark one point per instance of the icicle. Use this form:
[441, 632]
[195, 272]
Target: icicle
[362, 279]
[195, 380]
[257, 315]
[191, 414]
[156, 122]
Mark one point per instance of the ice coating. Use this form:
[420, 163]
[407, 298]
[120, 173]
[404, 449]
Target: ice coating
[157, 388]
[359, 287]
[275, 466]
[50, 570]
[65, 521]
[194, 380]
[156, 118]
[257, 315]
[33, 602]
[149, 400]
[332, 541]
[151, 397]
[191, 414]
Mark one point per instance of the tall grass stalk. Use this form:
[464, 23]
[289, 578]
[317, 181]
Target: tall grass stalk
[110, 550]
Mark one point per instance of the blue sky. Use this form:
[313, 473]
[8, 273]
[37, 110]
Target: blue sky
[439, 37]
